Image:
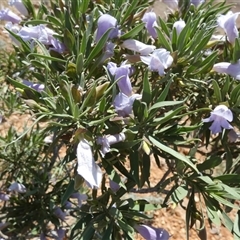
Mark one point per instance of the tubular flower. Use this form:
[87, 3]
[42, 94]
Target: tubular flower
[107, 141]
[8, 15]
[228, 23]
[87, 168]
[159, 60]
[121, 74]
[220, 118]
[36, 86]
[123, 103]
[17, 187]
[18, 4]
[228, 68]
[138, 46]
[179, 25]
[105, 22]
[80, 198]
[59, 213]
[4, 197]
[173, 4]
[149, 19]
[151, 233]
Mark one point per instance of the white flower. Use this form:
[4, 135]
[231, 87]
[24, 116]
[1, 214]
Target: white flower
[18, 4]
[17, 187]
[228, 23]
[87, 166]
[13, 28]
[159, 60]
[138, 46]
[107, 141]
[220, 118]
[233, 69]
[179, 25]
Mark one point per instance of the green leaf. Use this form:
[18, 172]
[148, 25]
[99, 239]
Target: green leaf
[165, 91]
[217, 92]
[173, 153]
[165, 104]
[163, 40]
[79, 63]
[133, 32]
[84, 6]
[212, 211]
[147, 92]
[236, 50]
[68, 192]
[68, 39]
[211, 162]
[99, 46]
[179, 194]
[236, 226]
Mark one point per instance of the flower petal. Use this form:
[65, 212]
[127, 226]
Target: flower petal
[87, 166]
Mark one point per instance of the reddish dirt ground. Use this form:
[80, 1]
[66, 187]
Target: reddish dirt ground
[172, 219]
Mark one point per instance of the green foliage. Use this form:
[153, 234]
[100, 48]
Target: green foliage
[78, 102]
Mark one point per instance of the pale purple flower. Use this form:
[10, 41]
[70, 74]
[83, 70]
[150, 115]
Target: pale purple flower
[220, 118]
[68, 205]
[107, 141]
[8, 15]
[80, 197]
[123, 103]
[232, 69]
[57, 46]
[42, 236]
[152, 233]
[121, 74]
[36, 86]
[61, 233]
[232, 136]
[4, 197]
[87, 167]
[48, 139]
[13, 28]
[228, 23]
[173, 4]
[43, 34]
[150, 20]
[159, 60]
[197, 2]
[4, 225]
[59, 213]
[138, 46]
[179, 25]
[17, 187]
[18, 4]
[105, 22]
[114, 186]
[108, 51]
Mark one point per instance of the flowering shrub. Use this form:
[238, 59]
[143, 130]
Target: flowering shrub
[111, 88]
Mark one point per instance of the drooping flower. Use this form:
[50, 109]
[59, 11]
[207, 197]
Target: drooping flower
[114, 186]
[138, 46]
[87, 167]
[8, 15]
[107, 141]
[233, 136]
[59, 213]
[36, 86]
[232, 69]
[123, 103]
[4, 197]
[18, 4]
[17, 187]
[220, 118]
[61, 233]
[121, 74]
[80, 197]
[228, 23]
[13, 28]
[151, 233]
[57, 46]
[150, 20]
[179, 25]
[173, 4]
[197, 2]
[159, 60]
[105, 22]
